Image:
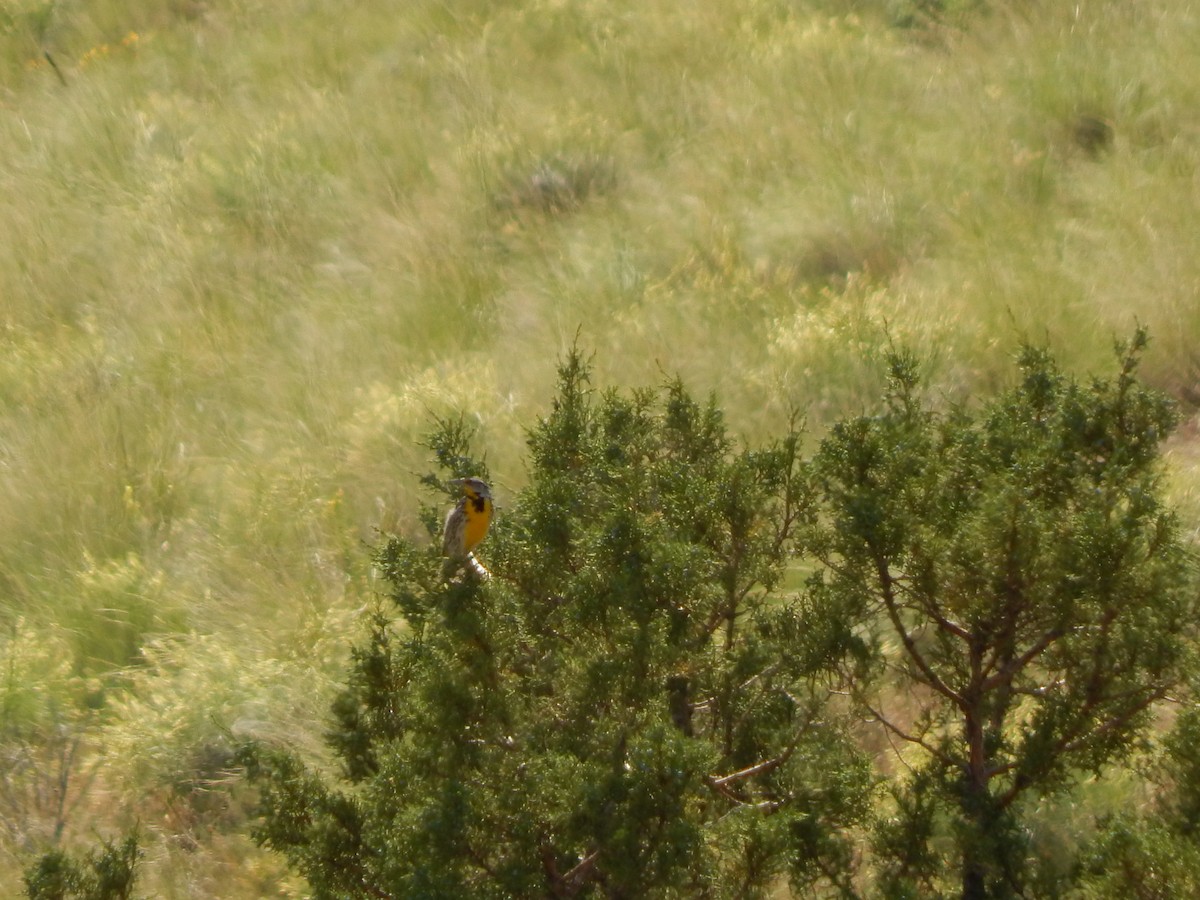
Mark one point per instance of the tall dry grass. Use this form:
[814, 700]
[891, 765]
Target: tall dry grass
[249, 249]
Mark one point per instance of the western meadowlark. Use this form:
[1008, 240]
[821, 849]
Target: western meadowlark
[467, 525]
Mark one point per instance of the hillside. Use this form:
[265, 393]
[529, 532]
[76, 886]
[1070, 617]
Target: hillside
[253, 249]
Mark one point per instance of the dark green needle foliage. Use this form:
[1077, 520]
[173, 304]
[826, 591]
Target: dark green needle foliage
[634, 705]
[1027, 593]
[107, 873]
[1155, 853]
[639, 703]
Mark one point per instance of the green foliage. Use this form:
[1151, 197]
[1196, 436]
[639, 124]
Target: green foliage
[635, 705]
[108, 873]
[450, 443]
[44, 724]
[629, 707]
[120, 608]
[1154, 853]
[37, 683]
[1140, 859]
[1181, 765]
[1016, 566]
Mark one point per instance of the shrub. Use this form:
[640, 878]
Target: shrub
[1019, 576]
[632, 706]
[108, 873]
[649, 698]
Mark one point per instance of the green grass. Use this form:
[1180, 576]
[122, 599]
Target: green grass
[251, 248]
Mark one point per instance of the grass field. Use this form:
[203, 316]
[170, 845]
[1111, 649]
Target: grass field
[251, 248]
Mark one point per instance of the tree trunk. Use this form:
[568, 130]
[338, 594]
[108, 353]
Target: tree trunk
[974, 884]
[976, 808]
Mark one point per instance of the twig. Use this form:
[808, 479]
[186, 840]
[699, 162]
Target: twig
[1013, 666]
[54, 66]
[929, 676]
[919, 740]
[574, 879]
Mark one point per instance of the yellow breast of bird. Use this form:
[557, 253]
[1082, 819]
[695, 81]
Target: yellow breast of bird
[479, 517]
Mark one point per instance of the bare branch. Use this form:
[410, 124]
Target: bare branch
[1116, 721]
[1077, 738]
[374, 891]
[1015, 665]
[918, 740]
[577, 876]
[57, 71]
[724, 791]
[1041, 690]
[930, 677]
[930, 607]
[756, 769]
[887, 733]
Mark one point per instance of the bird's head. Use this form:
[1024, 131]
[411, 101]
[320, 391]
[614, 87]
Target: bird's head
[473, 487]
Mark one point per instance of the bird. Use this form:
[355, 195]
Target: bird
[466, 526]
